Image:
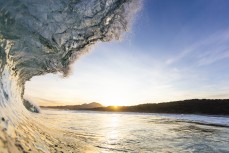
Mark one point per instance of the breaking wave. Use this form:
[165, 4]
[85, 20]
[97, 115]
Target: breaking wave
[46, 36]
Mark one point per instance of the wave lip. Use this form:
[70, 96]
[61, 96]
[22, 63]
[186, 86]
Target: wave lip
[47, 36]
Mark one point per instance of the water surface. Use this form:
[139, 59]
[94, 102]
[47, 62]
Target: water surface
[140, 132]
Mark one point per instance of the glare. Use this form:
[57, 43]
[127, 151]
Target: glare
[114, 125]
[112, 81]
[113, 100]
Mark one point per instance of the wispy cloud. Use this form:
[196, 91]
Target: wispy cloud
[206, 51]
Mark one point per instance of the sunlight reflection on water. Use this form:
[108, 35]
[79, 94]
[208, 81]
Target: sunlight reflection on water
[135, 132]
[114, 123]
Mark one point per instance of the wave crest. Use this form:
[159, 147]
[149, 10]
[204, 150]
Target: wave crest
[47, 36]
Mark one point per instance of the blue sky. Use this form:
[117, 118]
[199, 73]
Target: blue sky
[175, 50]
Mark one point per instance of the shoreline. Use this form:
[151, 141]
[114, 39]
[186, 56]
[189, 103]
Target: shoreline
[193, 106]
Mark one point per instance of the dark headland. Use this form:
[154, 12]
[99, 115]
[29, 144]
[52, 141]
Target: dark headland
[76, 107]
[192, 106]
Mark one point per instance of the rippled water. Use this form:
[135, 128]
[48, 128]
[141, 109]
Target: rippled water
[87, 131]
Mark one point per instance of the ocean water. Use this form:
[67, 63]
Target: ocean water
[47, 36]
[89, 131]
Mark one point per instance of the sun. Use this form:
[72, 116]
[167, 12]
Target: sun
[115, 108]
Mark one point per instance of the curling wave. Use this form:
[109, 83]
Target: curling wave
[46, 36]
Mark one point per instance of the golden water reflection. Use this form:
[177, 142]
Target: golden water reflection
[113, 133]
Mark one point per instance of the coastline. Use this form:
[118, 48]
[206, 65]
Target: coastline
[193, 106]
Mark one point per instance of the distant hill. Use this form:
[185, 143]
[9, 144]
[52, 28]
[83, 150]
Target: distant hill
[76, 107]
[193, 106]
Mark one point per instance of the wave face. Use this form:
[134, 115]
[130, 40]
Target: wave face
[46, 36]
